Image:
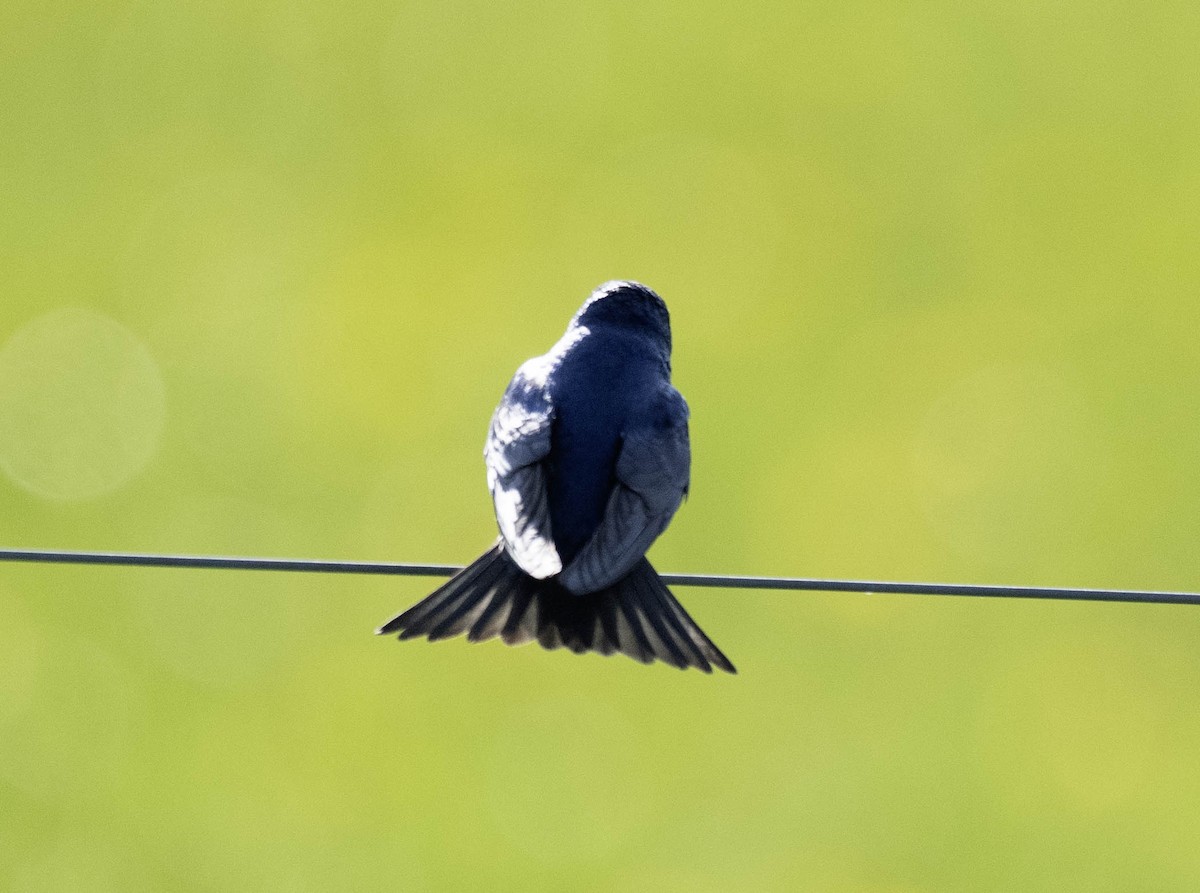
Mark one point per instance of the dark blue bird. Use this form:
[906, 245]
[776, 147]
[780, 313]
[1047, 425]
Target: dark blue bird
[587, 460]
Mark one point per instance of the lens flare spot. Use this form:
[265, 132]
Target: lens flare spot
[82, 405]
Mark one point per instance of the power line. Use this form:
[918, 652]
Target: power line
[310, 565]
[221, 562]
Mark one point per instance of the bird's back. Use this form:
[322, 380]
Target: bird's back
[602, 380]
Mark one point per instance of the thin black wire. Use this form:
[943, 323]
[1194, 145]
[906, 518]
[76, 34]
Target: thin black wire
[309, 565]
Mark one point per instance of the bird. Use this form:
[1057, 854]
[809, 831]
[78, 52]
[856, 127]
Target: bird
[588, 459]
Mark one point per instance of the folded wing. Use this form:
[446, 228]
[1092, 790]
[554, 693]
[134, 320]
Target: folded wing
[518, 442]
[652, 474]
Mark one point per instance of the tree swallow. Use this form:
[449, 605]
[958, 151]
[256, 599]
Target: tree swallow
[587, 461]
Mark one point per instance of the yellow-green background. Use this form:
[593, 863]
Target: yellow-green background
[934, 277]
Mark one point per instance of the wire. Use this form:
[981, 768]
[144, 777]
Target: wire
[303, 565]
[310, 565]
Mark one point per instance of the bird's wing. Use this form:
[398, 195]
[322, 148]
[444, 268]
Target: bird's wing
[653, 471]
[517, 443]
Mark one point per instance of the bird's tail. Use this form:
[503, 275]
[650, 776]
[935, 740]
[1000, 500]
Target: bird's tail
[491, 597]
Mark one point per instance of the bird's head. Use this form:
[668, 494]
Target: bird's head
[627, 304]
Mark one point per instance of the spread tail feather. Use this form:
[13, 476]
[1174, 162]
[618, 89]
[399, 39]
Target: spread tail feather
[491, 597]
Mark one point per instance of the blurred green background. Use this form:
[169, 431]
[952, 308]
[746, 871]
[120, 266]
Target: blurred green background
[266, 267]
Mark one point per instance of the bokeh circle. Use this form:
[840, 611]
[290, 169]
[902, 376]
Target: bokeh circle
[82, 405]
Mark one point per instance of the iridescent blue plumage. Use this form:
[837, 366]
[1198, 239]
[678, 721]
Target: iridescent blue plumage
[588, 459]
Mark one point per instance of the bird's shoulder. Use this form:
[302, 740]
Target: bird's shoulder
[664, 410]
[655, 458]
[519, 433]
